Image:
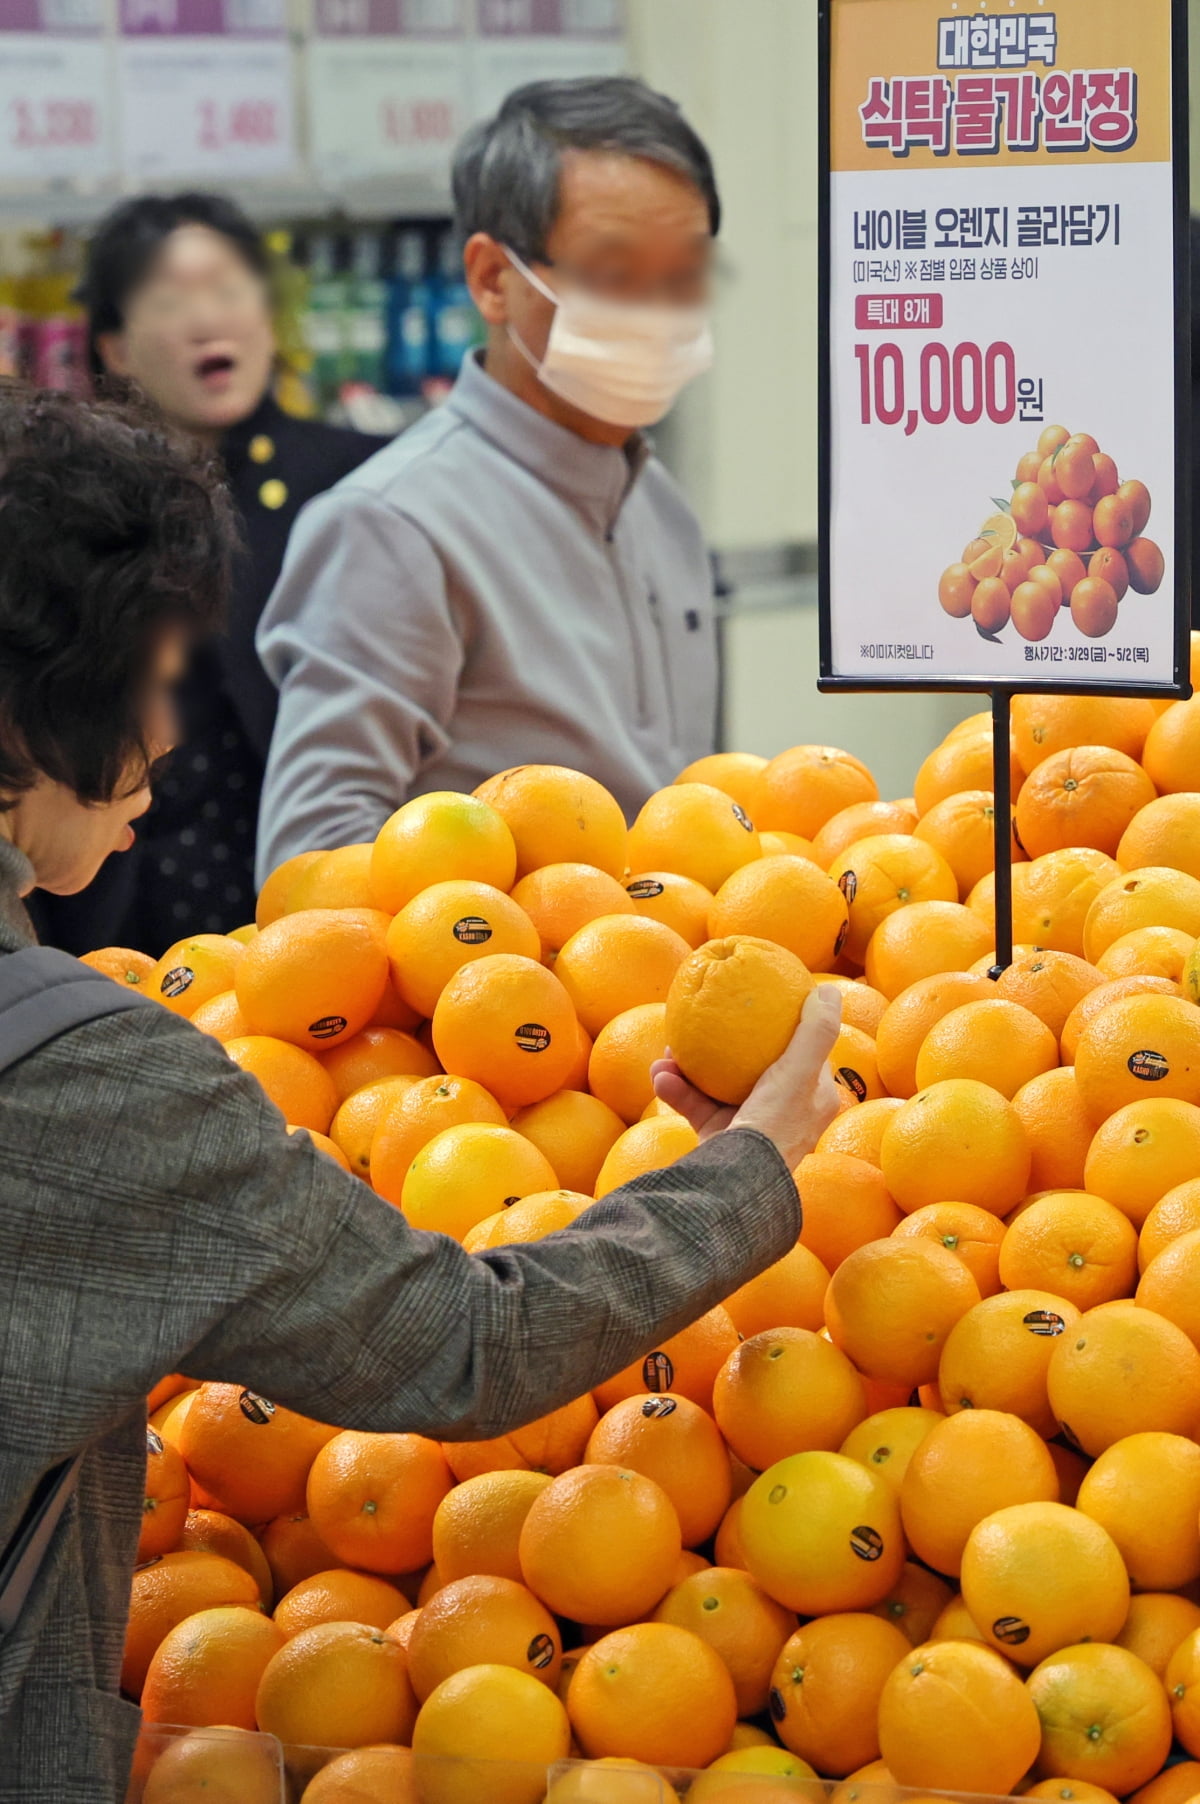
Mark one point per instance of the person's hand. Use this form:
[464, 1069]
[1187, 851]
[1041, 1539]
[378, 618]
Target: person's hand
[793, 1101]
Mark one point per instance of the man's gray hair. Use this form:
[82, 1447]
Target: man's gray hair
[506, 169]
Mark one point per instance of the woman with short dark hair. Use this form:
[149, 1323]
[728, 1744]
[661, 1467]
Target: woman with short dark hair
[155, 1215]
[177, 293]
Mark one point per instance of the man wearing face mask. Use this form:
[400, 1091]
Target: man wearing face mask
[517, 579]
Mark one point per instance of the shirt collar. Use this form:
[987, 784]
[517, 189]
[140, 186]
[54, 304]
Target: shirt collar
[597, 478]
[16, 879]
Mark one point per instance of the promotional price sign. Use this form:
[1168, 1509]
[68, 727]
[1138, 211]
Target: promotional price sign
[1006, 344]
[386, 86]
[55, 113]
[543, 40]
[206, 89]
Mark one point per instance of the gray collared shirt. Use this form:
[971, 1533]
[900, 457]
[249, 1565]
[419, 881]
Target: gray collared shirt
[489, 590]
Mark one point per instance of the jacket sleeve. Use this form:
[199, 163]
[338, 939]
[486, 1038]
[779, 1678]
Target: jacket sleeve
[182, 1229]
[360, 640]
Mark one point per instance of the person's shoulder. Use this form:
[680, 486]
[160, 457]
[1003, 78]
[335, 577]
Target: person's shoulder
[418, 456]
[330, 451]
[660, 496]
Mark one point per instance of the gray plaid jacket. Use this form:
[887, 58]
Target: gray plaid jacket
[155, 1217]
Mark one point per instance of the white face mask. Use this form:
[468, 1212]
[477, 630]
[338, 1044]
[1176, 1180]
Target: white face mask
[623, 363]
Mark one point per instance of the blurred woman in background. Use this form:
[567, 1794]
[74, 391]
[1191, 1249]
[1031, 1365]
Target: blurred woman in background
[178, 299]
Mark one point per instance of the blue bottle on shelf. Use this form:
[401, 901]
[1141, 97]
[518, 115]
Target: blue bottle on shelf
[409, 306]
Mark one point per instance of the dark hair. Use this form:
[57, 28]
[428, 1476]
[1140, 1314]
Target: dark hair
[506, 169]
[129, 238]
[111, 532]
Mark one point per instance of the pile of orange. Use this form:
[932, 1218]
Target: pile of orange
[921, 1502]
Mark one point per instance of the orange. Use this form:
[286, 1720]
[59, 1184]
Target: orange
[735, 774]
[1176, 1213]
[923, 940]
[745, 1627]
[509, 1024]
[489, 1731]
[1168, 1285]
[169, 1417]
[962, 827]
[1049, 985]
[647, 1146]
[293, 1080]
[374, 1054]
[803, 788]
[208, 1531]
[967, 1467]
[1132, 1044]
[373, 1497]
[958, 1141]
[973, 1235]
[1154, 897]
[131, 969]
[732, 1010]
[625, 1049]
[168, 1591]
[552, 1444]
[1183, 1691]
[961, 763]
[910, 1016]
[954, 1714]
[674, 901]
[1156, 1624]
[1157, 951]
[340, 879]
[855, 1068]
[1170, 752]
[325, 1145]
[1143, 1151]
[686, 1364]
[997, 1042]
[380, 1775]
[695, 831]
[1084, 796]
[165, 1502]
[338, 1596]
[253, 1456]
[845, 1203]
[173, 1385]
[576, 1078]
[859, 1131]
[886, 1441]
[483, 1620]
[1164, 832]
[532, 1218]
[314, 978]
[193, 971]
[826, 1689]
[1037, 1577]
[558, 816]
[776, 845]
[862, 1007]
[222, 1018]
[955, 1624]
[559, 899]
[998, 1356]
[861, 820]
[1112, 990]
[677, 1444]
[786, 1391]
[354, 1126]
[275, 896]
[653, 1692]
[414, 1116]
[338, 1685]
[879, 875]
[394, 1012]
[1145, 1490]
[439, 838]
[1046, 724]
[618, 962]
[789, 1294]
[821, 1533]
[477, 1527]
[789, 901]
[1104, 1716]
[875, 1773]
[916, 1603]
[599, 1546]
[294, 1550]
[467, 1173]
[1175, 1785]
[1052, 896]
[1123, 1370]
[218, 1764]
[1058, 1129]
[448, 926]
[574, 1132]
[1075, 1245]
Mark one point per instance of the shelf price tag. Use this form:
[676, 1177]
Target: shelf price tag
[1004, 377]
[386, 87]
[206, 89]
[542, 40]
[55, 108]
